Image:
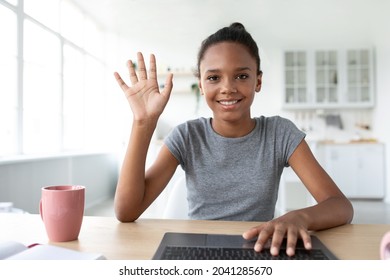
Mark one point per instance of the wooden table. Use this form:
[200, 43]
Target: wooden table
[140, 239]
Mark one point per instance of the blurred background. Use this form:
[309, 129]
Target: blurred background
[63, 119]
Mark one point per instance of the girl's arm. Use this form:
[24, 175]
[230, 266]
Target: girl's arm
[136, 190]
[332, 208]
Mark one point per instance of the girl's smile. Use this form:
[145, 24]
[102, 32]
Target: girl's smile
[229, 104]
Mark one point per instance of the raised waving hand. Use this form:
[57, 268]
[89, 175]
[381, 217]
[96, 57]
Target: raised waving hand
[144, 96]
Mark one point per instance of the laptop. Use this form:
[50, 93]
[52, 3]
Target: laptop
[194, 246]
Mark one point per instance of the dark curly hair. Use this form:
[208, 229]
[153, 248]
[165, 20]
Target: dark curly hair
[236, 33]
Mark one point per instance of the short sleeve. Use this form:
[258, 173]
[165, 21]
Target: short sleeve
[289, 137]
[175, 142]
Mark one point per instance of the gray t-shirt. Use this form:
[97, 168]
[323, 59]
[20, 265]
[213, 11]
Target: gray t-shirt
[233, 178]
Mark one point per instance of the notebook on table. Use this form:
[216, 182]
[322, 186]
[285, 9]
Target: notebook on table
[193, 246]
[13, 250]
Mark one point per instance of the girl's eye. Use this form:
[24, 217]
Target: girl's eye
[242, 77]
[212, 78]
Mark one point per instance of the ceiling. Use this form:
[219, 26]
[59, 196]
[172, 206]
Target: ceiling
[193, 19]
[178, 26]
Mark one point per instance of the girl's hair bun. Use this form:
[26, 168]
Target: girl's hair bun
[237, 26]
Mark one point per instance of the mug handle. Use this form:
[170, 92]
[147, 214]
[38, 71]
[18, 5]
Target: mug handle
[40, 209]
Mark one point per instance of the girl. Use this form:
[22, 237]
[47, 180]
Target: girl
[233, 162]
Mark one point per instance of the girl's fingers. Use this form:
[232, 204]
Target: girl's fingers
[262, 235]
[152, 68]
[292, 239]
[306, 238]
[132, 74]
[141, 67]
[120, 82]
[251, 233]
[168, 85]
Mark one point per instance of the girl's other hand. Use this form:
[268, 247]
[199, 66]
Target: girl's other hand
[290, 225]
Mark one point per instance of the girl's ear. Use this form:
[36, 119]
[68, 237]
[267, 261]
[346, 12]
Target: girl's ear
[259, 81]
[200, 88]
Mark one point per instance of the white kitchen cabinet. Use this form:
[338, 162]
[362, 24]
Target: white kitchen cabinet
[358, 169]
[328, 79]
[296, 87]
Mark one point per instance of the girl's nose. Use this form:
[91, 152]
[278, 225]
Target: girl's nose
[228, 86]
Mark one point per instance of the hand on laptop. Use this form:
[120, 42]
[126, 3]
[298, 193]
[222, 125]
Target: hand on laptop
[290, 225]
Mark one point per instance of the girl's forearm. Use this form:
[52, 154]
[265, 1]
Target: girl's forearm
[131, 184]
[332, 212]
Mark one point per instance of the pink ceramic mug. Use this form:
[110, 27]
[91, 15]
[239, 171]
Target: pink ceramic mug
[385, 247]
[62, 211]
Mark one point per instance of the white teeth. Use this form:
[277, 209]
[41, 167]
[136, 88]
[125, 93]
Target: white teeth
[228, 102]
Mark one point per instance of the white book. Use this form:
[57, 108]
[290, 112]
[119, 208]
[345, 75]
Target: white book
[11, 250]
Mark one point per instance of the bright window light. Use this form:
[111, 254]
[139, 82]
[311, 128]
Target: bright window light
[13, 2]
[41, 91]
[44, 11]
[94, 41]
[94, 105]
[8, 84]
[53, 80]
[72, 23]
[73, 101]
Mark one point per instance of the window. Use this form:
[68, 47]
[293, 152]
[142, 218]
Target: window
[41, 90]
[72, 23]
[94, 105]
[8, 85]
[13, 2]
[52, 94]
[48, 16]
[73, 102]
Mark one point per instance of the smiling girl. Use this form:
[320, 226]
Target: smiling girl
[233, 161]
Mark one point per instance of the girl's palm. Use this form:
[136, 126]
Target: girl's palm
[145, 99]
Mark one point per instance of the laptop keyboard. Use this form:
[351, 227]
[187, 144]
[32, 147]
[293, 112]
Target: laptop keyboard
[211, 253]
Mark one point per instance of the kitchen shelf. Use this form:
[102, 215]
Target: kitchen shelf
[328, 79]
[182, 81]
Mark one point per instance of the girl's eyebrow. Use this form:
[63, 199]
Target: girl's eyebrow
[212, 71]
[243, 69]
[237, 69]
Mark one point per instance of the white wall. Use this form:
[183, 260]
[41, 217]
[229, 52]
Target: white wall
[21, 180]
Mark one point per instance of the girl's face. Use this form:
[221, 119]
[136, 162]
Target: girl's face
[229, 80]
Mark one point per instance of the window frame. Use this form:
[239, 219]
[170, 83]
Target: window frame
[21, 17]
